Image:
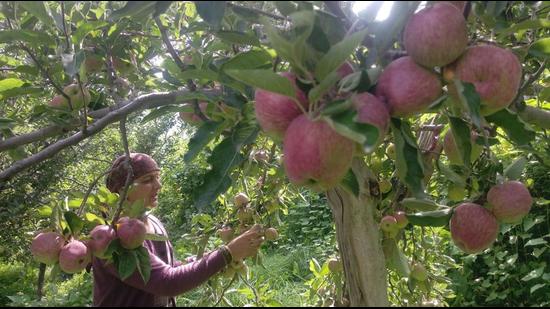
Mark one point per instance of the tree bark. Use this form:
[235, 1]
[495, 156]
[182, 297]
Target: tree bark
[359, 240]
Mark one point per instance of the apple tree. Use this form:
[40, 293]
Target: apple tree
[335, 98]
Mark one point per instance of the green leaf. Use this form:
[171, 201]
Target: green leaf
[197, 74]
[528, 24]
[126, 263]
[540, 48]
[516, 129]
[38, 9]
[224, 158]
[253, 59]
[395, 259]
[75, 223]
[326, 84]
[436, 218]
[283, 47]
[536, 287]
[90, 217]
[536, 273]
[338, 54]
[409, 163]
[419, 204]
[240, 38]
[7, 123]
[471, 101]
[135, 9]
[161, 111]
[346, 124]
[211, 11]
[336, 107]
[208, 131]
[114, 247]
[515, 169]
[264, 79]
[350, 183]
[143, 263]
[10, 83]
[45, 211]
[134, 209]
[85, 28]
[450, 174]
[536, 242]
[462, 137]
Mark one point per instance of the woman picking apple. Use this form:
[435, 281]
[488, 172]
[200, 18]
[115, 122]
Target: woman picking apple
[168, 277]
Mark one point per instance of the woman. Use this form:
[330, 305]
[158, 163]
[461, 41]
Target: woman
[168, 278]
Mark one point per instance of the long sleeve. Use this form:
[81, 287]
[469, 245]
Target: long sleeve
[172, 281]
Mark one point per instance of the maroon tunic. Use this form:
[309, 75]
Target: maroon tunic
[168, 279]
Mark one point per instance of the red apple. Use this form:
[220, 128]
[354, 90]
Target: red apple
[275, 112]
[46, 247]
[494, 71]
[74, 257]
[408, 88]
[372, 111]
[510, 201]
[315, 155]
[436, 35]
[131, 232]
[473, 228]
[101, 237]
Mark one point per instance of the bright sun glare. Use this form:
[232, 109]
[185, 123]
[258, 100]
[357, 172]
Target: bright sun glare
[383, 13]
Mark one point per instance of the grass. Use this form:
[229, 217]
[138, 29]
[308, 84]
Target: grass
[278, 282]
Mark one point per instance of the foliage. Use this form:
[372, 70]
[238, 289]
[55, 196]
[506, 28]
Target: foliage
[224, 51]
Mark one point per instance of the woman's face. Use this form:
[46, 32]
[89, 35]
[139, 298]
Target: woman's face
[146, 188]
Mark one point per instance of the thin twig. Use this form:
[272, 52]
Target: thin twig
[225, 290]
[68, 47]
[190, 84]
[85, 199]
[127, 166]
[42, 69]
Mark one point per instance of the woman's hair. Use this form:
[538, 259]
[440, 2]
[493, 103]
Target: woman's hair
[141, 163]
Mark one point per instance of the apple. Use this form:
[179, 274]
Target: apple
[315, 155]
[436, 35]
[408, 88]
[495, 72]
[275, 112]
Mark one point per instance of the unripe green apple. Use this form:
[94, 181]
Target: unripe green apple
[456, 193]
[401, 218]
[419, 272]
[385, 186]
[388, 224]
[390, 151]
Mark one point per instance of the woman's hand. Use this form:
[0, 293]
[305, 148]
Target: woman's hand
[247, 243]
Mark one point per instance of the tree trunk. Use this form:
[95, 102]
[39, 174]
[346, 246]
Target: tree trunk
[359, 241]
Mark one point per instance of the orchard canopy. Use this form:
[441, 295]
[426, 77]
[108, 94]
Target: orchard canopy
[406, 116]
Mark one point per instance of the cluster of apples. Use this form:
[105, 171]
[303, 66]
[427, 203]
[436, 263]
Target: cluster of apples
[79, 94]
[436, 40]
[74, 255]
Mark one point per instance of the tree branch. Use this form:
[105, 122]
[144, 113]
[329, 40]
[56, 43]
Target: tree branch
[55, 130]
[190, 84]
[143, 102]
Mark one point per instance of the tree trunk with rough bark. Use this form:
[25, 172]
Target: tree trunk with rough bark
[359, 240]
